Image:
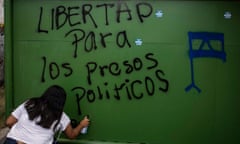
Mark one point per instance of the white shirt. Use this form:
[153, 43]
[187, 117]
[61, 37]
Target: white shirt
[29, 132]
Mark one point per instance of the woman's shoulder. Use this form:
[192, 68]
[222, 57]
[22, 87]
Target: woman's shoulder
[65, 116]
[65, 121]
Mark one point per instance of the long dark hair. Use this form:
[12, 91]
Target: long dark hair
[48, 107]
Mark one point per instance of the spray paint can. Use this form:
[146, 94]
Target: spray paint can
[84, 130]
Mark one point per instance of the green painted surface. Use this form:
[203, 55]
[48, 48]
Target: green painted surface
[157, 109]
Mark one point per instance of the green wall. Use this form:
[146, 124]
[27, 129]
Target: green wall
[133, 93]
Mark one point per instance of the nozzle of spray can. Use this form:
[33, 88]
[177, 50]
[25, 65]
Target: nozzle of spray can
[84, 130]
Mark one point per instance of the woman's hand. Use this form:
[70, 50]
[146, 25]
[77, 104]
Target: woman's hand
[85, 122]
[74, 132]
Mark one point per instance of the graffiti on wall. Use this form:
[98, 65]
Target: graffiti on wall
[200, 52]
[62, 16]
[84, 41]
[154, 82]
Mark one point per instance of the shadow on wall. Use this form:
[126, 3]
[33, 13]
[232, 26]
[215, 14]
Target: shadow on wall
[2, 95]
[2, 107]
[1, 55]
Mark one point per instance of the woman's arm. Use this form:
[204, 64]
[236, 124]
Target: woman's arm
[11, 120]
[74, 132]
[15, 115]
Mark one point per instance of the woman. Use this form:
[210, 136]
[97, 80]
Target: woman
[36, 120]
